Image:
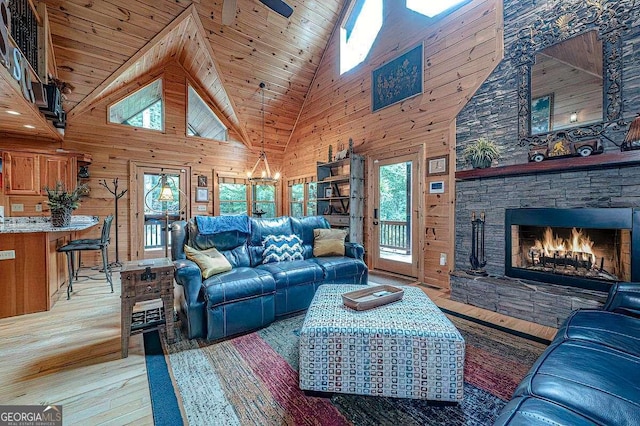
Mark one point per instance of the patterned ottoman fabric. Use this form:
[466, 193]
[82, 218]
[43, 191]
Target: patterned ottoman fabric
[407, 349]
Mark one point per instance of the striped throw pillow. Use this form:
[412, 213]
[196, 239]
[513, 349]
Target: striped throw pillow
[281, 248]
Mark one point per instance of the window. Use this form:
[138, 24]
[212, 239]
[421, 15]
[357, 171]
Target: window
[142, 108]
[358, 32]
[312, 195]
[296, 200]
[201, 121]
[302, 197]
[431, 8]
[233, 198]
[264, 200]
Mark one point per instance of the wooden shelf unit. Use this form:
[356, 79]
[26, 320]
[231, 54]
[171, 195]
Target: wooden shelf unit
[344, 208]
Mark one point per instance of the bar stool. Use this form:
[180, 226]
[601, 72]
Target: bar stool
[79, 246]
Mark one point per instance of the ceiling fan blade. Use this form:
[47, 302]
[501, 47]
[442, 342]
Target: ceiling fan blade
[228, 12]
[278, 6]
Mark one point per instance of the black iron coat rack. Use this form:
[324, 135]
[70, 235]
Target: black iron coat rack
[117, 195]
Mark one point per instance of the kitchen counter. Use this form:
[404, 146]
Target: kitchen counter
[15, 225]
[32, 271]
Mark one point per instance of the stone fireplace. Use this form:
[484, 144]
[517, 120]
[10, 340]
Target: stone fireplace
[585, 248]
[598, 195]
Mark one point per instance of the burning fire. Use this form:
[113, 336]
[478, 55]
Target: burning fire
[578, 248]
[550, 245]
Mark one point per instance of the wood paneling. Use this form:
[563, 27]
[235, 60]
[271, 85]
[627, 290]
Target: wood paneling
[114, 146]
[11, 99]
[460, 51]
[102, 46]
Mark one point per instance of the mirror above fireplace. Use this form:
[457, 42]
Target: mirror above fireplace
[566, 29]
[566, 84]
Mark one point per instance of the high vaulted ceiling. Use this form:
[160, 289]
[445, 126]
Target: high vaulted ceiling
[101, 46]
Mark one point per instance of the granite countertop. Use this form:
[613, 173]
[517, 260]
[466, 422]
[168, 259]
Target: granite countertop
[15, 225]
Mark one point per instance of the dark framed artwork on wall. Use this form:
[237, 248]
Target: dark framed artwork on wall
[399, 79]
[202, 181]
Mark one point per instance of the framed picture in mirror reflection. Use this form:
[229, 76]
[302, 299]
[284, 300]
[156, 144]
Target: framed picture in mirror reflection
[542, 114]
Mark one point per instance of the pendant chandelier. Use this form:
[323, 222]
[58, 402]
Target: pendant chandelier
[265, 176]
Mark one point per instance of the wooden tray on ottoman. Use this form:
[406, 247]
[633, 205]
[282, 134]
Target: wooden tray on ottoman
[372, 297]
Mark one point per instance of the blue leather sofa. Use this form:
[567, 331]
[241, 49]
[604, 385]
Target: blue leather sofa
[252, 295]
[590, 374]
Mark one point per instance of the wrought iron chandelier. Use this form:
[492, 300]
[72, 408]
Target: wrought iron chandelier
[265, 176]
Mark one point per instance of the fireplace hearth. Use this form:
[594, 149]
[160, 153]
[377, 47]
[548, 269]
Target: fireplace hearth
[586, 248]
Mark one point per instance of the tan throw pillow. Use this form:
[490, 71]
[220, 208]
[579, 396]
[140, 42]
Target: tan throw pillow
[328, 242]
[211, 261]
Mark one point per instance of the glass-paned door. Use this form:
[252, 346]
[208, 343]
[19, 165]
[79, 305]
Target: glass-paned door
[394, 215]
[163, 200]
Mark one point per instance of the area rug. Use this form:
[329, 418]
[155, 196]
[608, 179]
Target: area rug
[253, 380]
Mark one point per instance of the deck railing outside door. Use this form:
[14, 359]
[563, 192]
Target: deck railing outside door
[395, 235]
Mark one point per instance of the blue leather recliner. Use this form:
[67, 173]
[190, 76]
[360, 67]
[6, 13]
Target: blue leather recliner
[252, 294]
[590, 374]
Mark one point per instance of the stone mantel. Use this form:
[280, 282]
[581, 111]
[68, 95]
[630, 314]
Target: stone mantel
[593, 162]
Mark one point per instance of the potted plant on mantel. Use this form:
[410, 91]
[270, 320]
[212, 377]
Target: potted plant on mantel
[481, 153]
[62, 202]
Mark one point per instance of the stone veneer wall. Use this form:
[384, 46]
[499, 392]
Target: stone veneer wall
[615, 187]
[545, 304]
[492, 113]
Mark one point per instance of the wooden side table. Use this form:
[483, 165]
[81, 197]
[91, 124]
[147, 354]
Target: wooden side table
[144, 280]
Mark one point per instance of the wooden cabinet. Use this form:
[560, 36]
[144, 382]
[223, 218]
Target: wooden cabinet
[57, 265]
[28, 173]
[21, 173]
[56, 168]
[341, 194]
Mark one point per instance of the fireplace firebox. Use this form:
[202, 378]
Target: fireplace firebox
[586, 248]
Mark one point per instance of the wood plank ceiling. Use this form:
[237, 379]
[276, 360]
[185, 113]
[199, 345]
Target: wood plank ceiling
[101, 46]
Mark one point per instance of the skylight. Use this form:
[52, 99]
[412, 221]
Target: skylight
[358, 32]
[143, 108]
[431, 8]
[201, 121]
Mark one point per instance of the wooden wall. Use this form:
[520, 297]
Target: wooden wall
[460, 51]
[113, 147]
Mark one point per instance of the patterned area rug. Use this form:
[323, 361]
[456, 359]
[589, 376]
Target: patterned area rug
[253, 380]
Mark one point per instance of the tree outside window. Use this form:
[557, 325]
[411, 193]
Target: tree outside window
[233, 198]
[264, 200]
[312, 195]
[296, 197]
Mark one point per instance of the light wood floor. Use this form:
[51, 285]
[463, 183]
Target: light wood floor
[71, 355]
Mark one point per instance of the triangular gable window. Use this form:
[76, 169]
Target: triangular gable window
[201, 121]
[358, 32]
[431, 8]
[143, 108]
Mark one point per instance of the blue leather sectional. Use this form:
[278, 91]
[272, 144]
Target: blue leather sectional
[590, 374]
[252, 294]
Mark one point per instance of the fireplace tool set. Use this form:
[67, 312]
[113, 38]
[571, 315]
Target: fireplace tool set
[477, 257]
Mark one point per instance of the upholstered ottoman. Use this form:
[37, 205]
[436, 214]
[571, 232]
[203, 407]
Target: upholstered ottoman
[406, 349]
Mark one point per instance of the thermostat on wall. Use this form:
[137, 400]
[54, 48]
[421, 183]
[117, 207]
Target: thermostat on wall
[436, 187]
